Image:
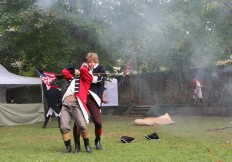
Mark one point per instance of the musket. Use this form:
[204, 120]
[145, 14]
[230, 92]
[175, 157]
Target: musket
[104, 74]
[60, 76]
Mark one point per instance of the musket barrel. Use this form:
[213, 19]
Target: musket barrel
[100, 74]
[94, 74]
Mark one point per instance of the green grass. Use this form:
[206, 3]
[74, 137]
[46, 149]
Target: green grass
[189, 139]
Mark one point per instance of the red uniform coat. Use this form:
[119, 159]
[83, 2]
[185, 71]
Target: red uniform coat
[85, 81]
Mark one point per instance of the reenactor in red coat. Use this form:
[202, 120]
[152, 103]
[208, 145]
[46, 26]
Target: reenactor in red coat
[74, 105]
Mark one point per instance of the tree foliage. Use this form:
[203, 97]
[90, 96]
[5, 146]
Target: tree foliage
[154, 35]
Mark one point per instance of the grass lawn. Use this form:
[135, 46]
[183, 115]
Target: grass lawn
[191, 138]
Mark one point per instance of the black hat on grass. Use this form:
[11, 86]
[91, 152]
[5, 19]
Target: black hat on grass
[153, 136]
[126, 139]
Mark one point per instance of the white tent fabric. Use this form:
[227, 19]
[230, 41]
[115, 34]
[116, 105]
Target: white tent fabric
[17, 114]
[10, 80]
[2, 95]
[111, 93]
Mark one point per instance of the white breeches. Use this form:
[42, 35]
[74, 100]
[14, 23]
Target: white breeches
[197, 93]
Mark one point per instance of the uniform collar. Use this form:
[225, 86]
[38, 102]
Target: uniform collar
[95, 65]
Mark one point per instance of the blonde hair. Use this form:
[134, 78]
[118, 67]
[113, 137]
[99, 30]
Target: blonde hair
[92, 56]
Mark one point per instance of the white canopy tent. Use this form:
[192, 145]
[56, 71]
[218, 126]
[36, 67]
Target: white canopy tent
[14, 114]
[10, 80]
[111, 93]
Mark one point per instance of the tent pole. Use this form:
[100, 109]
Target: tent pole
[42, 94]
[44, 100]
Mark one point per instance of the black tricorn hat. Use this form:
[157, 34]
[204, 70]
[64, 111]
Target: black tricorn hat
[153, 136]
[126, 139]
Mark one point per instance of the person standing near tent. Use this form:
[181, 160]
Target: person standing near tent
[196, 88]
[94, 100]
[53, 98]
[74, 105]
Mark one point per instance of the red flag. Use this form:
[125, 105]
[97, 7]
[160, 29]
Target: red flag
[47, 77]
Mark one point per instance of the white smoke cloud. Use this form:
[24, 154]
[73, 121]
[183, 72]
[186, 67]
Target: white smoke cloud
[45, 4]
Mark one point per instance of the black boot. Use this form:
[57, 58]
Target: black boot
[98, 143]
[87, 147]
[76, 136]
[46, 122]
[68, 147]
[194, 101]
[77, 147]
[201, 101]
